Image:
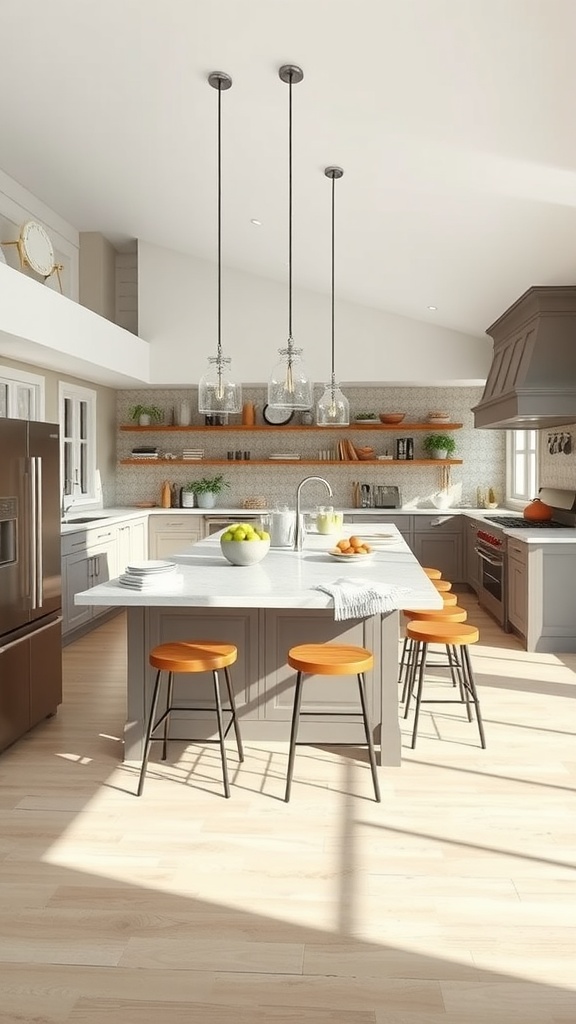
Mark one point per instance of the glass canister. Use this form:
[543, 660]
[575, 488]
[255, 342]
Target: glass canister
[327, 520]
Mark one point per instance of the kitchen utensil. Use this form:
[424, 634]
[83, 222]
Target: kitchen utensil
[244, 552]
[538, 511]
[392, 417]
[280, 523]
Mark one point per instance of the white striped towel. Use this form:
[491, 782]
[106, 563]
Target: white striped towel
[355, 598]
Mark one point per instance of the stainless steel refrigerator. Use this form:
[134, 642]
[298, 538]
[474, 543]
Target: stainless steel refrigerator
[30, 581]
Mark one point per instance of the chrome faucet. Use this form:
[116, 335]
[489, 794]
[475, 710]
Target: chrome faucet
[64, 508]
[299, 530]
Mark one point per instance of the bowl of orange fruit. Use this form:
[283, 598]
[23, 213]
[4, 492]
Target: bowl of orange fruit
[351, 549]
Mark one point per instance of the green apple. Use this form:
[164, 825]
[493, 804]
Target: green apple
[228, 535]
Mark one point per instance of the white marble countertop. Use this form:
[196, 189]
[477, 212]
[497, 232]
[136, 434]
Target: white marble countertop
[543, 536]
[284, 579]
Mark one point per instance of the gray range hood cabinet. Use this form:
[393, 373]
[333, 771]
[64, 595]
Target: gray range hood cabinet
[532, 381]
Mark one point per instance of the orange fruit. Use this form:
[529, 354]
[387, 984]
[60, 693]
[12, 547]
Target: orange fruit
[355, 542]
[343, 545]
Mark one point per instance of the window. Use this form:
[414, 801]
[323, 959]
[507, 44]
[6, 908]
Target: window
[78, 442]
[21, 394]
[521, 466]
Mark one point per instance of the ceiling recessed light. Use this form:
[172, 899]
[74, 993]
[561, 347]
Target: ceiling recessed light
[256, 223]
[431, 307]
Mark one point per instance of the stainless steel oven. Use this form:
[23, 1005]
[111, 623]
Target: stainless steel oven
[491, 550]
[214, 523]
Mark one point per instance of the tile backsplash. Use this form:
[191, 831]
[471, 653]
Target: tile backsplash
[482, 451]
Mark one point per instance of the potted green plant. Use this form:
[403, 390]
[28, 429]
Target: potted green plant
[439, 446]
[206, 489]
[146, 414]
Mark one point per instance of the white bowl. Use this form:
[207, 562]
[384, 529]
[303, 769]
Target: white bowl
[441, 499]
[244, 552]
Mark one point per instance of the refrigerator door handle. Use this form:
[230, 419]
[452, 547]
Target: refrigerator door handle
[37, 525]
[14, 643]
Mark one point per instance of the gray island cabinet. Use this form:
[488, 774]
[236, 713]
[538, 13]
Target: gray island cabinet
[542, 590]
[264, 610]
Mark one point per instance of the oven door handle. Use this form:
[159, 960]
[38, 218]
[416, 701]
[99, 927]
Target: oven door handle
[491, 561]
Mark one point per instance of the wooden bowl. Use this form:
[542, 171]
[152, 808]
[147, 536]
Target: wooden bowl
[392, 417]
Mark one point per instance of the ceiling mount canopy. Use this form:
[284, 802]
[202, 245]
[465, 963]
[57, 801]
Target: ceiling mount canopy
[289, 386]
[218, 392]
[333, 409]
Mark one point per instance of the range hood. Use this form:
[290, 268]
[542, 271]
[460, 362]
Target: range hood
[532, 381]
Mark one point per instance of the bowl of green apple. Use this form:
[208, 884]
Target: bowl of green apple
[244, 544]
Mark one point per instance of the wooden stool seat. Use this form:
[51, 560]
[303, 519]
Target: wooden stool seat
[449, 599]
[432, 574]
[203, 656]
[454, 614]
[191, 656]
[421, 633]
[330, 660]
[436, 632]
[441, 585]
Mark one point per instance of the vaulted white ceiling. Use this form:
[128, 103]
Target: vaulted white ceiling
[453, 121]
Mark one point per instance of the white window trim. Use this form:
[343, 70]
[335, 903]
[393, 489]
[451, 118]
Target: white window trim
[519, 503]
[78, 393]
[36, 383]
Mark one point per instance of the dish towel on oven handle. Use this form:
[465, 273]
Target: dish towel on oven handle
[356, 599]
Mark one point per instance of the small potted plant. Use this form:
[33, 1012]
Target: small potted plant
[146, 414]
[439, 446]
[207, 489]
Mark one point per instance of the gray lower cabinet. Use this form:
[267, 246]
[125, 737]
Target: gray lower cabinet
[438, 544]
[472, 566]
[517, 586]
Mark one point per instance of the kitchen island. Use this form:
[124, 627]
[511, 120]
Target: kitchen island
[264, 610]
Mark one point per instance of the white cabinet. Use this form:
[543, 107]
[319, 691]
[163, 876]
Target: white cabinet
[438, 544]
[170, 534]
[132, 542]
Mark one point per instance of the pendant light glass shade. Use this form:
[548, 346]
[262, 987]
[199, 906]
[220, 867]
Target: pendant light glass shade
[333, 409]
[289, 385]
[218, 392]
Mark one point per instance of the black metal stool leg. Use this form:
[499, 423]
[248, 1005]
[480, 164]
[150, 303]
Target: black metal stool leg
[167, 718]
[367, 730]
[293, 735]
[221, 732]
[234, 719]
[474, 693]
[407, 670]
[415, 655]
[149, 731]
[464, 688]
[423, 655]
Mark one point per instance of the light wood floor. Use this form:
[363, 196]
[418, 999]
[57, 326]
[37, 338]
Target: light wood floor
[451, 902]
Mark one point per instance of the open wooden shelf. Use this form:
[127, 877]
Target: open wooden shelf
[397, 428]
[290, 462]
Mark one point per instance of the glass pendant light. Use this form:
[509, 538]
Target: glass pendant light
[289, 386]
[333, 409]
[218, 392]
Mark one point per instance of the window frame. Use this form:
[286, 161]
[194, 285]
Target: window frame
[34, 383]
[78, 395]
[530, 454]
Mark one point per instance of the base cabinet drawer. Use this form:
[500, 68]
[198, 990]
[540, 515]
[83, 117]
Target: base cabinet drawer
[169, 535]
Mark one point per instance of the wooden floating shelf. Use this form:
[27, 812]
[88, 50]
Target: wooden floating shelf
[290, 462]
[396, 427]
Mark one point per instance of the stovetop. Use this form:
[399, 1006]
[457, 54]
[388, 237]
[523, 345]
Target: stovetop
[519, 523]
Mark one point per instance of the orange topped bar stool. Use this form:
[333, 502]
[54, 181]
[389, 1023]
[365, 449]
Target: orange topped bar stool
[441, 585]
[407, 663]
[432, 574]
[452, 634]
[191, 656]
[330, 660]
[448, 600]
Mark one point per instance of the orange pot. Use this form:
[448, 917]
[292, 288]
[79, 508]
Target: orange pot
[538, 511]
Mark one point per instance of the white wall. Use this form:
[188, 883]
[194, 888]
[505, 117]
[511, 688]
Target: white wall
[177, 314]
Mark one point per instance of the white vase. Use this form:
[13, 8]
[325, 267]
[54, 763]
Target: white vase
[188, 499]
[144, 419]
[184, 414]
[439, 453]
[207, 500]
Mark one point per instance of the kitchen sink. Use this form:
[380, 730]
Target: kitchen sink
[84, 519]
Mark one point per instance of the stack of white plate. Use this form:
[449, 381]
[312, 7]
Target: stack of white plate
[193, 453]
[151, 574]
[288, 456]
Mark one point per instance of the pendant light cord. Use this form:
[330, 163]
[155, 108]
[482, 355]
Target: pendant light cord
[290, 209]
[219, 217]
[332, 281]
